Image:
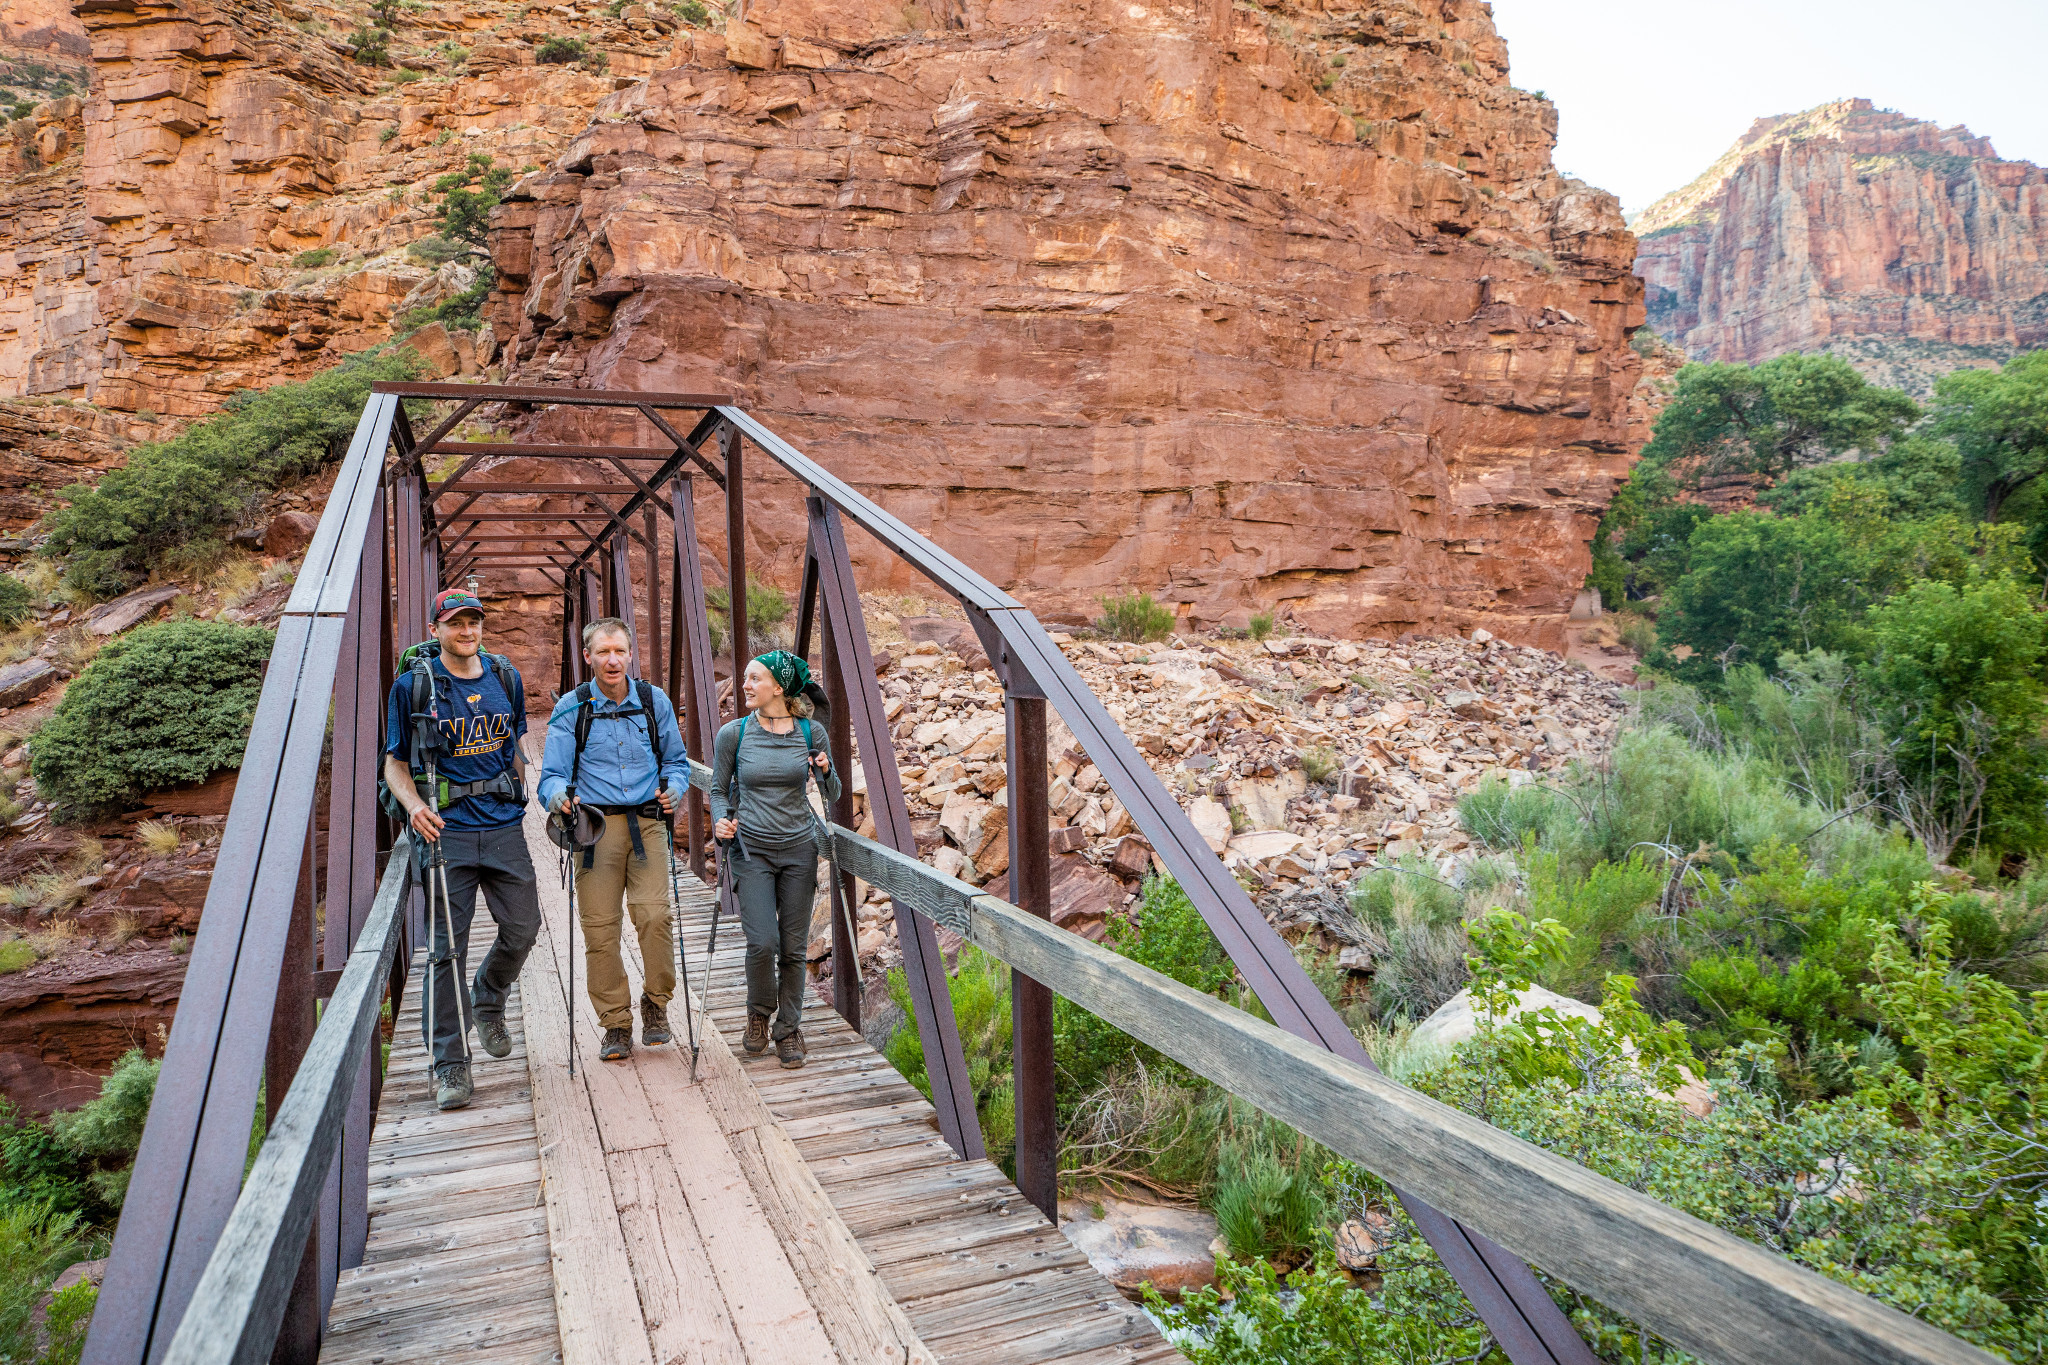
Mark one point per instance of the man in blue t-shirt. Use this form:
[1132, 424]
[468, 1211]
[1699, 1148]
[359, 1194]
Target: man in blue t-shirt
[476, 820]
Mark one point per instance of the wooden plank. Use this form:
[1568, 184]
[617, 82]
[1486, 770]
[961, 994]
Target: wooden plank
[679, 1296]
[598, 1324]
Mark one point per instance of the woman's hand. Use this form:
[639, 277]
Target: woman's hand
[823, 760]
[726, 829]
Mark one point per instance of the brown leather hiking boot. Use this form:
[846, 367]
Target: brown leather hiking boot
[756, 1040]
[653, 1023]
[790, 1051]
[618, 1045]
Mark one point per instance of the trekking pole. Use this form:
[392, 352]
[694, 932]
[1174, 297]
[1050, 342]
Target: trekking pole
[675, 914]
[457, 958]
[711, 948]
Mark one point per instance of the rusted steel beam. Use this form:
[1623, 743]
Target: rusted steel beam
[735, 557]
[686, 448]
[622, 599]
[696, 705]
[546, 451]
[657, 657]
[845, 946]
[923, 967]
[1038, 1139]
[537, 490]
[586, 398]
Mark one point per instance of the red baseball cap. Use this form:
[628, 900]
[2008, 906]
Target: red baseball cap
[454, 600]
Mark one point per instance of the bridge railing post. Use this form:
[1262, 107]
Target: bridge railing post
[1032, 1073]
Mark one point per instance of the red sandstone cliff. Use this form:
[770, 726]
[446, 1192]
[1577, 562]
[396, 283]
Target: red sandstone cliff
[1243, 306]
[1240, 306]
[1907, 247]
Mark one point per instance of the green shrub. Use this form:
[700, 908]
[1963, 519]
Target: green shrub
[15, 955]
[1320, 763]
[468, 196]
[370, 46]
[1262, 624]
[17, 601]
[1959, 673]
[1134, 617]
[174, 494]
[1268, 1201]
[559, 51]
[461, 312]
[168, 703]
[767, 609]
[314, 259]
[388, 134]
[435, 250]
[980, 990]
[36, 1244]
[406, 75]
[107, 1131]
[64, 1326]
[693, 13]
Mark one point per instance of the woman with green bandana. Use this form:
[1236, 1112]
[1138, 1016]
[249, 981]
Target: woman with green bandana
[761, 812]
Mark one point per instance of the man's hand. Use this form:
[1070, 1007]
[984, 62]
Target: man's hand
[667, 799]
[426, 823]
[726, 829]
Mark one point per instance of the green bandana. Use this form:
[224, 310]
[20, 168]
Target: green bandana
[790, 672]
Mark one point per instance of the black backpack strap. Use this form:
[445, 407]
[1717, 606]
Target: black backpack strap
[585, 712]
[646, 691]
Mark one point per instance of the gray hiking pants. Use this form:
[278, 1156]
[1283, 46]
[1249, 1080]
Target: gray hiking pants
[775, 888]
[496, 861]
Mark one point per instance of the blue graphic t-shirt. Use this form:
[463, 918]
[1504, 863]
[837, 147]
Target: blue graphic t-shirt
[479, 725]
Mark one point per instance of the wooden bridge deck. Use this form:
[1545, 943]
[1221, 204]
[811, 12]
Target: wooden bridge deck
[755, 1216]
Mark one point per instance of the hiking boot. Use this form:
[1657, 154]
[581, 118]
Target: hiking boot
[790, 1050]
[618, 1045]
[756, 1040]
[496, 1038]
[653, 1023]
[452, 1087]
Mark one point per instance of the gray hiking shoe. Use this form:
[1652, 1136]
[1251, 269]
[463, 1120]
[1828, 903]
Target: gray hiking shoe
[756, 1039]
[653, 1023]
[618, 1045]
[452, 1087]
[790, 1051]
[496, 1038]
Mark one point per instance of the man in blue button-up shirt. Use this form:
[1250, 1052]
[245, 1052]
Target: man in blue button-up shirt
[618, 774]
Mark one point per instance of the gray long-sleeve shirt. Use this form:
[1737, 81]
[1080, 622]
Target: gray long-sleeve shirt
[774, 809]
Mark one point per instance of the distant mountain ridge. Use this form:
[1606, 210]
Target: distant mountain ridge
[1909, 248]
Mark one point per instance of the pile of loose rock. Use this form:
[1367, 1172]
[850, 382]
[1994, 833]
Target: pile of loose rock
[1300, 760]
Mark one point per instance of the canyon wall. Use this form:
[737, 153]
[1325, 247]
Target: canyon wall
[1243, 307]
[1906, 247]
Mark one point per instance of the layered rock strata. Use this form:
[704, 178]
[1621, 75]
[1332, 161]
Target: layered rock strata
[1241, 306]
[1907, 247]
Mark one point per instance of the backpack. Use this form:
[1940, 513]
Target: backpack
[417, 665]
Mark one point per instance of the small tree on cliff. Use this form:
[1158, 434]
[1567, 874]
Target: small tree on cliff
[467, 198]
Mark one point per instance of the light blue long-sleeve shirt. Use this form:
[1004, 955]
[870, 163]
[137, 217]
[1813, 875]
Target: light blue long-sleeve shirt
[618, 763]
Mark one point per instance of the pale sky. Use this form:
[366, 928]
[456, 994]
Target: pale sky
[1649, 93]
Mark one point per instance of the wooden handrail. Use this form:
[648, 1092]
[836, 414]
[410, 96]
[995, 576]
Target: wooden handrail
[240, 1299]
[1695, 1285]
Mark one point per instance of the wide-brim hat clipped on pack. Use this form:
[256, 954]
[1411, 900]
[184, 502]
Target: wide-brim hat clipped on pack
[574, 831]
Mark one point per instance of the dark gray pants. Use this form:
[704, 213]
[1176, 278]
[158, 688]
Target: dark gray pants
[495, 860]
[775, 888]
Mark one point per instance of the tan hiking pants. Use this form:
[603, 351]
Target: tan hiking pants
[615, 875]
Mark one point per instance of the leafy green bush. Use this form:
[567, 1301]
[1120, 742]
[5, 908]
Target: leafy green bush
[468, 196]
[435, 250]
[1267, 1206]
[1262, 625]
[767, 609]
[36, 1244]
[370, 46]
[980, 990]
[107, 1131]
[314, 259]
[1134, 617]
[1960, 674]
[559, 51]
[179, 495]
[17, 602]
[693, 13]
[168, 703]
